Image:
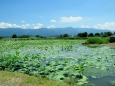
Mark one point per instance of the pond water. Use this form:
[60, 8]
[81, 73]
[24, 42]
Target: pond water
[104, 73]
[98, 63]
[101, 63]
[104, 81]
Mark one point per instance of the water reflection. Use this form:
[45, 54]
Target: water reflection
[104, 81]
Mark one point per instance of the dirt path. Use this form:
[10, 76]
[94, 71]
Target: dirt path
[111, 44]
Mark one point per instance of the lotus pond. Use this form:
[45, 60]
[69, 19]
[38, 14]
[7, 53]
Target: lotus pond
[65, 60]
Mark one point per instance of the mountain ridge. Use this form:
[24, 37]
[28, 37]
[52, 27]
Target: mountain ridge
[47, 32]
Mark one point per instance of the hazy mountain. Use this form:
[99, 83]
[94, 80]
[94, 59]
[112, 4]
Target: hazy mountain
[47, 32]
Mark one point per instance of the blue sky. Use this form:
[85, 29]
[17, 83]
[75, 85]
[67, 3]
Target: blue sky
[35, 14]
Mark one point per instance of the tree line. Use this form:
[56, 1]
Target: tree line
[25, 36]
[102, 34]
[83, 34]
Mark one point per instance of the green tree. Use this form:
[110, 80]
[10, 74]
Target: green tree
[1, 37]
[39, 36]
[79, 34]
[91, 35]
[24, 36]
[65, 35]
[109, 33]
[14, 36]
[84, 34]
[106, 34]
[60, 36]
[97, 34]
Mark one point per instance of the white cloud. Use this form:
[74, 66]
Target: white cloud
[24, 26]
[23, 21]
[8, 25]
[52, 20]
[38, 26]
[85, 26]
[107, 25]
[51, 26]
[70, 19]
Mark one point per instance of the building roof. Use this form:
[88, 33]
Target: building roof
[112, 35]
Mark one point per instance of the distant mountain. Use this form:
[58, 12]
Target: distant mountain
[46, 31]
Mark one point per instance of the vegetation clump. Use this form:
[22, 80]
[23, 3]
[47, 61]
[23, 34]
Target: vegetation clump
[24, 36]
[112, 82]
[97, 40]
[19, 79]
[63, 60]
[14, 36]
[1, 37]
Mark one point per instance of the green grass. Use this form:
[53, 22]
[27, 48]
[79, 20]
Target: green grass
[19, 79]
[112, 82]
[97, 40]
[45, 58]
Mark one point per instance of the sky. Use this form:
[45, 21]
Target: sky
[36, 14]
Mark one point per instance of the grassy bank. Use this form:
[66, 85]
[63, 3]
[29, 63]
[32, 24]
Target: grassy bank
[97, 40]
[19, 79]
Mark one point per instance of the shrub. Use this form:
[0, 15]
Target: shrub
[1, 37]
[97, 40]
[24, 36]
[91, 35]
[39, 36]
[65, 35]
[84, 34]
[14, 36]
[106, 40]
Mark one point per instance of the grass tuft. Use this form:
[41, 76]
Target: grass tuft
[19, 79]
[97, 40]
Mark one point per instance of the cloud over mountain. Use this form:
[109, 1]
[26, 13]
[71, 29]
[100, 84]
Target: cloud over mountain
[38, 26]
[23, 26]
[8, 25]
[52, 20]
[107, 25]
[70, 19]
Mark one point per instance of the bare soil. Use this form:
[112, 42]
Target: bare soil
[111, 44]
